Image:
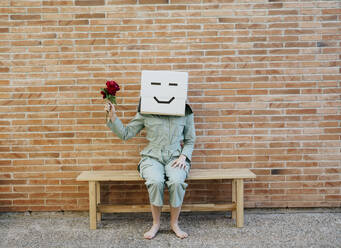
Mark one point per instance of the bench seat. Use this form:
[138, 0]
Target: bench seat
[96, 208]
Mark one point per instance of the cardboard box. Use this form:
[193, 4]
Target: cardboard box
[164, 92]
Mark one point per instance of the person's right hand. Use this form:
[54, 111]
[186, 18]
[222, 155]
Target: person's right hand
[110, 108]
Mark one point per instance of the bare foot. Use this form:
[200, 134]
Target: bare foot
[181, 234]
[152, 232]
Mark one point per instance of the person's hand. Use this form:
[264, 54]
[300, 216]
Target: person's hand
[110, 108]
[180, 162]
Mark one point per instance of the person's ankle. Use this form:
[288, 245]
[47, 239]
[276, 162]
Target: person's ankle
[174, 224]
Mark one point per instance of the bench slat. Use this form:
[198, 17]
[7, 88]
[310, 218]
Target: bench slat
[195, 174]
[200, 174]
[106, 208]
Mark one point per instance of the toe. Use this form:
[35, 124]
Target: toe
[183, 235]
[147, 235]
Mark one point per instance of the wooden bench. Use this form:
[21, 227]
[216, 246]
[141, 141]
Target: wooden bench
[96, 208]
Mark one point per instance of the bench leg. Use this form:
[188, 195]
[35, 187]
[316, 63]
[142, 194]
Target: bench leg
[240, 203]
[98, 200]
[92, 204]
[234, 196]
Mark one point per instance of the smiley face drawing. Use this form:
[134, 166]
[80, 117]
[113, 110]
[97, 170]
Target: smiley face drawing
[164, 92]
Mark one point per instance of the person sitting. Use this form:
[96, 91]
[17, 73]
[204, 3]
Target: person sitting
[165, 160]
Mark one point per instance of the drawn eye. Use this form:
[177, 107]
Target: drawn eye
[155, 83]
[173, 84]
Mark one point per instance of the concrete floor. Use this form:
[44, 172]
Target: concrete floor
[263, 228]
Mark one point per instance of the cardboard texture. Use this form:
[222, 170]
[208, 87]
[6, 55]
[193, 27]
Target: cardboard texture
[164, 92]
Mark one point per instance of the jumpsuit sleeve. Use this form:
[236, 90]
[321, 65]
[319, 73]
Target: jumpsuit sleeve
[189, 137]
[128, 131]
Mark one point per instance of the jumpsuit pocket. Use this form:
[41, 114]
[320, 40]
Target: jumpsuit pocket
[177, 153]
[138, 166]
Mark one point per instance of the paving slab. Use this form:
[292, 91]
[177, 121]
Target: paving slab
[262, 228]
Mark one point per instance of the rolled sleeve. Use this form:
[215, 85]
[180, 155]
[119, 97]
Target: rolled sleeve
[189, 137]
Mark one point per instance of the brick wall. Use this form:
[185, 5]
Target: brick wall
[264, 86]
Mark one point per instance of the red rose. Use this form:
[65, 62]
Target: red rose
[110, 92]
[112, 87]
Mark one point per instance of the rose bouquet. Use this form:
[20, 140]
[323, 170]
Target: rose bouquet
[109, 92]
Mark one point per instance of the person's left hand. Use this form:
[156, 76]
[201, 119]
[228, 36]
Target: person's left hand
[180, 162]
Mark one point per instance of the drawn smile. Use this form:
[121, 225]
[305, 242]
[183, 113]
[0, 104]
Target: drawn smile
[165, 102]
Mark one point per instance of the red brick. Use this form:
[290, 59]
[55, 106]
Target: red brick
[25, 17]
[72, 23]
[89, 2]
[233, 20]
[58, 3]
[331, 11]
[26, 43]
[109, 2]
[89, 16]
[28, 188]
[153, 1]
[185, 1]
[300, 111]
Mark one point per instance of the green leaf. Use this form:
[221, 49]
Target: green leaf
[108, 96]
[112, 99]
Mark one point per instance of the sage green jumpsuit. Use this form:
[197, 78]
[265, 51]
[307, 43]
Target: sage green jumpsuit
[165, 134]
